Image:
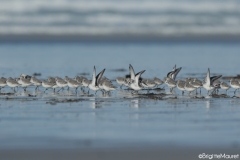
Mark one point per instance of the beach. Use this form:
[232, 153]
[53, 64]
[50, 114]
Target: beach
[58, 125]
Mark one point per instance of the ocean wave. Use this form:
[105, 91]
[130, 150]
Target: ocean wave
[111, 17]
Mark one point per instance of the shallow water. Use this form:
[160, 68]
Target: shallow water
[121, 120]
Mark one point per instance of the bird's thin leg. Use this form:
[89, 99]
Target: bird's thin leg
[182, 93]
[59, 90]
[76, 89]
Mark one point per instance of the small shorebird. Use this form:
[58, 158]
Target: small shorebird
[196, 83]
[47, 85]
[60, 83]
[24, 83]
[102, 80]
[80, 81]
[120, 81]
[208, 84]
[72, 83]
[188, 87]
[131, 78]
[136, 84]
[95, 80]
[158, 81]
[216, 85]
[86, 83]
[181, 85]
[12, 83]
[170, 82]
[53, 81]
[234, 84]
[108, 86]
[148, 84]
[3, 82]
[224, 86]
[36, 82]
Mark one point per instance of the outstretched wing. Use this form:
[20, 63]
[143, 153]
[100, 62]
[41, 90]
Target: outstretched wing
[99, 76]
[175, 73]
[131, 71]
[138, 75]
[207, 79]
[94, 76]
[214, 78]
[174, 68]
[169, 75]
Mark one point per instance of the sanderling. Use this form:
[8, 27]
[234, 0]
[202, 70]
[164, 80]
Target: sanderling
[36, 82]
[132, 76]
[148, 84]
[95, 80]
[12, 83]
[216, 85]
[53, 81]
[224, 86]
[170, 82]
[108, 86]
[181, 85]
[54, 86]
[196, 83]
[188, 86]
[120, 81]
[71, 83]
[47, 85]
[61, 83]
[3, 82]
[208, 84]
[234, 84]
[128, 81]
[136, 85]
[158, 81]
[86, 83]
[101, 81]
[79, 80]
[24, 83]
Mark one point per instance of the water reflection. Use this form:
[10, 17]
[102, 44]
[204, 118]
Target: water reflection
[95, 104]
[208, 105]
[134, 103]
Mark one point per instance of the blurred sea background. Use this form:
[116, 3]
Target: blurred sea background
[119, 19]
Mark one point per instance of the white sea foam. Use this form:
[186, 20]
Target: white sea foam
[106, 17]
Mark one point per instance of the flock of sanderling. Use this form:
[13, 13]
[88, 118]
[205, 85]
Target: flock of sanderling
[132, 81]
